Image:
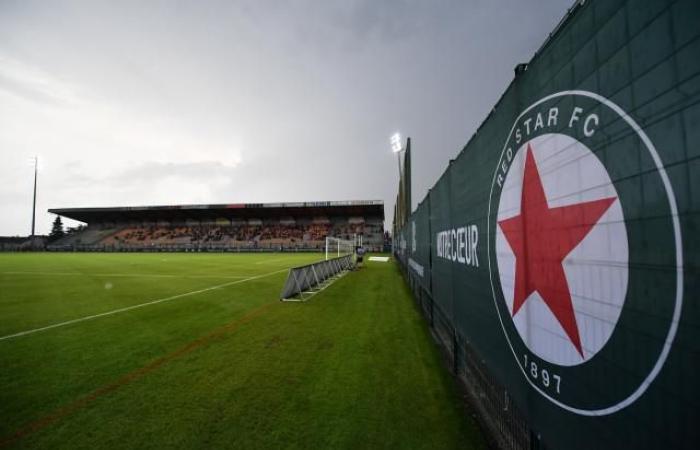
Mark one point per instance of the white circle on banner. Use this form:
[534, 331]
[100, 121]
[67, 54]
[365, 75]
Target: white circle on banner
[596, 269]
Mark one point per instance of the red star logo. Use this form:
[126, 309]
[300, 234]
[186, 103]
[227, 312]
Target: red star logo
[541, 237]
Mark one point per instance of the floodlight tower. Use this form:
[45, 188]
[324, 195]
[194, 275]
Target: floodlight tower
[397, 148]
[36, 165]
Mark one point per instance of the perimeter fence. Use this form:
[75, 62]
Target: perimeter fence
[556, 258]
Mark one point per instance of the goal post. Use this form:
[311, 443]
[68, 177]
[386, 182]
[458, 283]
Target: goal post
[336, 247]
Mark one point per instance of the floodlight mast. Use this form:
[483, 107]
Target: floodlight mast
[397, 148]
[36, 164]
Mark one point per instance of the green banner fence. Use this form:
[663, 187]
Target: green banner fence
[557, 258]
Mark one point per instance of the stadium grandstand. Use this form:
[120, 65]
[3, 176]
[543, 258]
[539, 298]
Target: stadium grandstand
[301, 226]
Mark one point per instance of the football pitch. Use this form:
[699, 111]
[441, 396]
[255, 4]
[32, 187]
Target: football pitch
[176, 350]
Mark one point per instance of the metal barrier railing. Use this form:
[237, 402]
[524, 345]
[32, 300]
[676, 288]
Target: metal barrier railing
[304, 279]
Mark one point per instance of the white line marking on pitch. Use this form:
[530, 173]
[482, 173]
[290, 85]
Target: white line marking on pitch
[126, 275]
[141, 305]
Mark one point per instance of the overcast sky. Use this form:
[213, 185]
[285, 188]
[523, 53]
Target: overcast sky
[150, 103]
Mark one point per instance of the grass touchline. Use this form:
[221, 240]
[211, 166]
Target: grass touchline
[126, 275]
[228, 367]
[84, 401]
[140, 305]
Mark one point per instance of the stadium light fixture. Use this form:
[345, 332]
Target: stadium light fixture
[396, 146]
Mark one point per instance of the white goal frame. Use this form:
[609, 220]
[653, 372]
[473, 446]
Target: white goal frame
[336, 247]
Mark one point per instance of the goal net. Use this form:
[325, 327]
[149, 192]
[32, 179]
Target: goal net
[336, 247]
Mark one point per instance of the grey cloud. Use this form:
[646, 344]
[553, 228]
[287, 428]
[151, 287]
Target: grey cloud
[200, 171]
[308, 92]
[144, 173]
[28, 92]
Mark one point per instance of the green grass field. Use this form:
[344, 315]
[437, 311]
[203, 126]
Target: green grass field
[213, 359]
